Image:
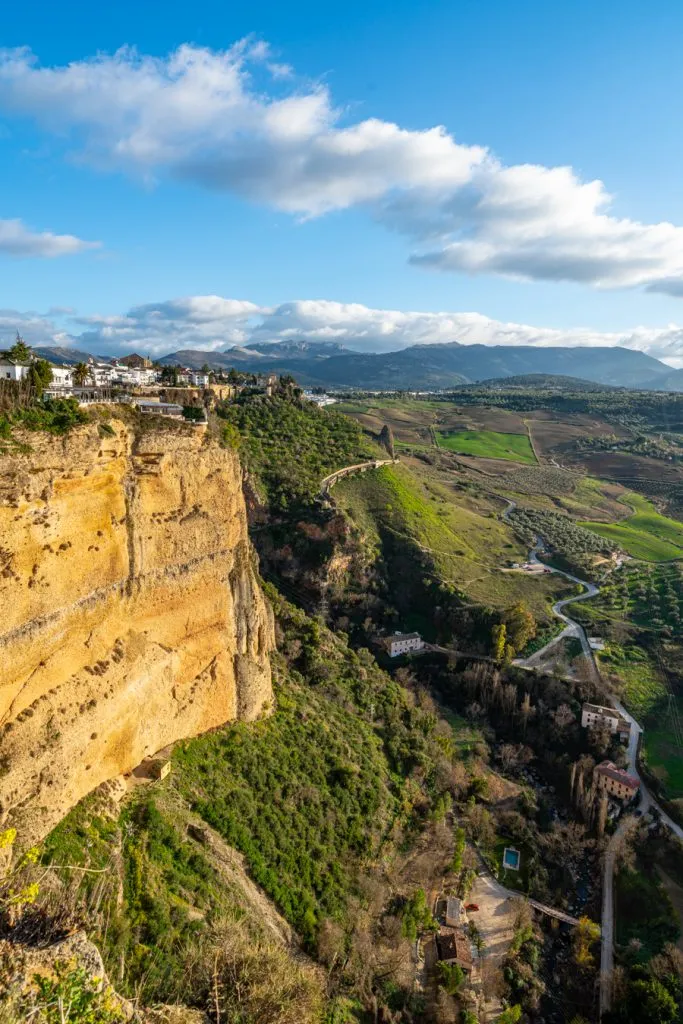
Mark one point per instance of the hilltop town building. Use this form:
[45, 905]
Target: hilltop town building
[10, 369]
[153, 408]
[136, 362]
[62, 378]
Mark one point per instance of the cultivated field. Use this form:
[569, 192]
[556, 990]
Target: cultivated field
[489, 444]
[411, 419]
[646, 534]
[555, 435]
[624, 466]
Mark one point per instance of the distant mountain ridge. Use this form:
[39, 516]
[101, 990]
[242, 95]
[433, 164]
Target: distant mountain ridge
[61, 356]
[428, 367]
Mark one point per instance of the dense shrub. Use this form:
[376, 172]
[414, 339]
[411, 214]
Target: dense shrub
[290, 445]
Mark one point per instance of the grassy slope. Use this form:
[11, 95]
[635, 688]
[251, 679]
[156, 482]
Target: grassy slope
[646, 534]
[465, 546]
[489, 444]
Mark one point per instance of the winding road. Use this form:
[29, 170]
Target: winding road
[647, 801]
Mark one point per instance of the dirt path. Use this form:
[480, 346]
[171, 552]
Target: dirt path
[495, 919]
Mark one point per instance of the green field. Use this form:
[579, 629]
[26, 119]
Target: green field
[489, 444]
[646, 534]
[663, 755]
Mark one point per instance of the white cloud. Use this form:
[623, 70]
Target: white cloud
[35, 328]
[213, 323]
[240, 122]
[207, 322]
[17, 240]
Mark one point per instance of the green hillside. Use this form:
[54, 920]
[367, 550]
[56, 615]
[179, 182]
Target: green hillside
[646, 534]
[465, 547]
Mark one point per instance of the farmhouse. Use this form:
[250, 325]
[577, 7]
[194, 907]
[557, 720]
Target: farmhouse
[403, 643]
[616, 782]
[454, 948]
[595, 715]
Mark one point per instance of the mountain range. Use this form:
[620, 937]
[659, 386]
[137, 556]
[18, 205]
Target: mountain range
[425, 367]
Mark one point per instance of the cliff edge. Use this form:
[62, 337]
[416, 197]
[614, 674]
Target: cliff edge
[130, 613]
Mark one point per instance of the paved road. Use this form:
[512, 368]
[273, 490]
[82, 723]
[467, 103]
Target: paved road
[572, 628]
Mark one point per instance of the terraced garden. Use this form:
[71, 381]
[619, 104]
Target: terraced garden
[488, 444]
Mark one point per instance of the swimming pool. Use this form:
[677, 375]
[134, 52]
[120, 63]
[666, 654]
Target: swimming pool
[511, 858]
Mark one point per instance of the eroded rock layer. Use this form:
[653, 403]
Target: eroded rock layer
[130, 613]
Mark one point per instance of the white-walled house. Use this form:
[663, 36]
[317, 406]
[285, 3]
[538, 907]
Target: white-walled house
[10, 369]
[595, 715]
[62, 377]
[404, 643]
[199, 380]
[101, 374]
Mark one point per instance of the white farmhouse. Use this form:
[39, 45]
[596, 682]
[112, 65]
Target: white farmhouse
[404, 643]
[595, 715]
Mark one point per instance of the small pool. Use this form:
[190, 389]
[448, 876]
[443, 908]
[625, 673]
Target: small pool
[511, 858]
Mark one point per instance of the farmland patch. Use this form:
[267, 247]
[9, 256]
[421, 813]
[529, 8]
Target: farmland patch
[489, 444]
[646, 534]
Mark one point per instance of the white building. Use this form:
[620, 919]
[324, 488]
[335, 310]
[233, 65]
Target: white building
[153, 408]
[101, 374]
[10, 369]
[199, 380]
[595, 715]
[134, 376]
[403, 643]
[62, 378]
[320, 400]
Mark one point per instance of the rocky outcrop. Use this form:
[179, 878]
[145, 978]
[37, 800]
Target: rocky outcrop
[130, 613]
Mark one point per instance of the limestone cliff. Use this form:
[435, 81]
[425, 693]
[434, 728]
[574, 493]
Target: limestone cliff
[130, 614]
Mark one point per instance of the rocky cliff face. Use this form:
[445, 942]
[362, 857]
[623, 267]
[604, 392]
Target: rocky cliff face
[130, 615]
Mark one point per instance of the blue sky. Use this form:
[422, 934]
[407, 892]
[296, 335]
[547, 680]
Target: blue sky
[292, 195]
